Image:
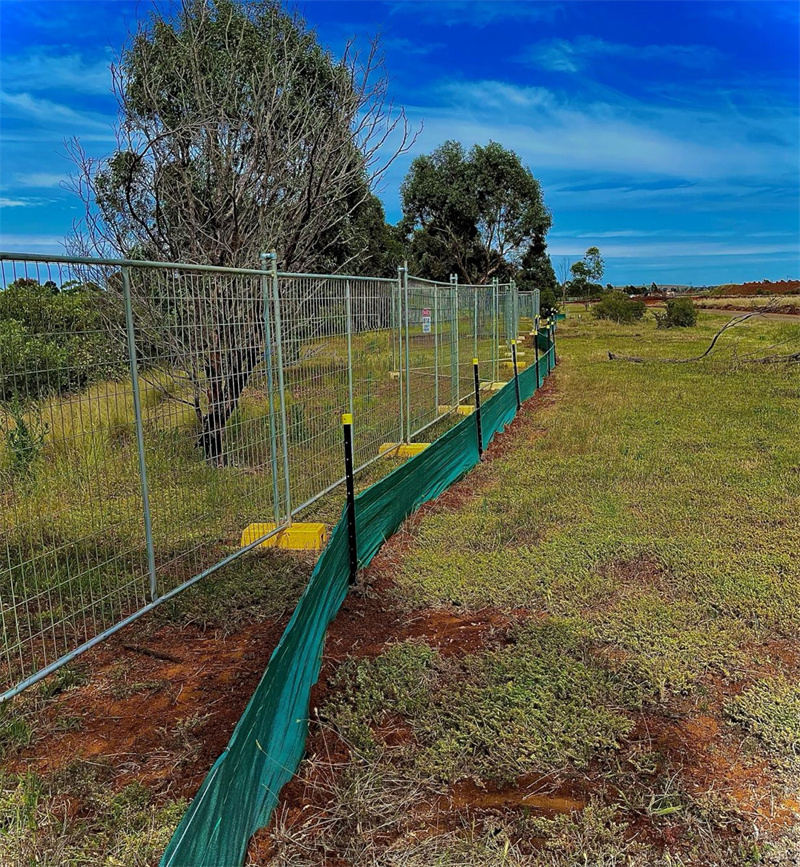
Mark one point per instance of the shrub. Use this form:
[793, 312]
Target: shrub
[55, 341]
[681, 313]
[618, 307]
[548, 303]
[24, 434]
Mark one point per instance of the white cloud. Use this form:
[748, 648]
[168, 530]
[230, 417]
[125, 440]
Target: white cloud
[32, 243]
[35, 71]
[565, 55]
[15, 203]
[691, 146]
[478, 13]
[48, 112]
[677, 249]
[39, 180]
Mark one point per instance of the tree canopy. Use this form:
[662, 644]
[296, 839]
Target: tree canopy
[239, 133]
[479, 212]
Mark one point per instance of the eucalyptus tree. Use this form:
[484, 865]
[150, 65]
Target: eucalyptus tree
[481, 210]
[238, 133]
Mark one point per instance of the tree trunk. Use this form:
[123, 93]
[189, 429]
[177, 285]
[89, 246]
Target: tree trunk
[223, 393]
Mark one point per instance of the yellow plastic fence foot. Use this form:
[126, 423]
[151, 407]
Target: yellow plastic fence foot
[461, 409]
[509, 365]
[402, 450]
[298, 537]
[394, 374]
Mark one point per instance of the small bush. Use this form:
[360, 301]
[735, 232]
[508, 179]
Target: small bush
[619, 308]
[548, 303]
[24, 434]
[681, 313]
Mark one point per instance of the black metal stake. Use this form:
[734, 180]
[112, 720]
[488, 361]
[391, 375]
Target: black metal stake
[478, 406]
[352, 542]
[516, 372]
[536, 346]
[555, 358]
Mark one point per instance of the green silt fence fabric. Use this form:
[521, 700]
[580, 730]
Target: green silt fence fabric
[242, 788]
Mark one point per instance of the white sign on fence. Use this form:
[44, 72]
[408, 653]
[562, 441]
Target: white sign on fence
[426, 321]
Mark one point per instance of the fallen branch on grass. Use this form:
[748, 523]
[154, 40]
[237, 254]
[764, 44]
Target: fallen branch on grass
[731, 323]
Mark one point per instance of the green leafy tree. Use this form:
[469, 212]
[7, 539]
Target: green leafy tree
[587, 274]
[480, 213]
[55, 341]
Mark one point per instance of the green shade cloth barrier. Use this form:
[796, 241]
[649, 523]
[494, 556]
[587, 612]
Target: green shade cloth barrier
[242, 788]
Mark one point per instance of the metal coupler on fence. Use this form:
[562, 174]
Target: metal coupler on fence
[516, 373]
[352, 542]
[478, 406]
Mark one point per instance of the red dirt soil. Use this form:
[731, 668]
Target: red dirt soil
[764, 287]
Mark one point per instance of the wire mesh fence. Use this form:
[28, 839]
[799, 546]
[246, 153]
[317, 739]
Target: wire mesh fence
[149, 412]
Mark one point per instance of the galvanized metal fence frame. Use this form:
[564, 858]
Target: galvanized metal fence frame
[261, 362]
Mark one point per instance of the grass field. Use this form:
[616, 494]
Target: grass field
[634, 695]
[585, 654]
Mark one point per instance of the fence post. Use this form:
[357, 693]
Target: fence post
[536, 352]
[515, 296]
[408, 355]
[276, 302]
[349, 314]
[553, 339]
[475, 322]
[137, 411]
[455, 373]
[495, 330]
[516, 374]
[273, 437]
[399, 315]
[352, 541]
[476, 376]
[436, 349]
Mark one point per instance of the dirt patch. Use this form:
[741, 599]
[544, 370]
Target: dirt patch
[158, 721]
[763, 287]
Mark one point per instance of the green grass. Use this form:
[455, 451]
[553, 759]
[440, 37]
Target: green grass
[648, 520]
[114, 828]
[770, 710]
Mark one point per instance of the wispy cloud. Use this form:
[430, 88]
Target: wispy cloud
[49, 112]
[659, 147]
[411, 47]
[574, 55]
[32, 243]
[39, 180]
[478, 13]
[676, 249]
[36, 71]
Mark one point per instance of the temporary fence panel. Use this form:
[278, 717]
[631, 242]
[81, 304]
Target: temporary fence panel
[426, 335]
[137, 441]
[340, 342]
[243, 787]
[188, 402]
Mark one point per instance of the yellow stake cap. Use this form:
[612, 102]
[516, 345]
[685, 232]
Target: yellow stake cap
[347, 418]
[513, 342]
[474, 360]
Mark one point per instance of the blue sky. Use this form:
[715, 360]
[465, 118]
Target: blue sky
[665, 133]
